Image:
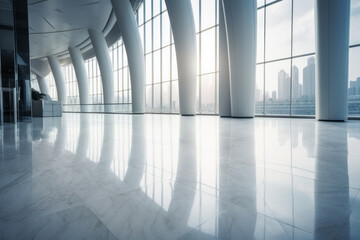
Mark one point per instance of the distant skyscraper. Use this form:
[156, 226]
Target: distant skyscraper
[273, 95]
[352, 91]
[283, 85]
[358, 86]
[309, 79]
[295, 83]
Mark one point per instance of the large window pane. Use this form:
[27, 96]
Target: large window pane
[354, 82]
[260, 36]
[148, 105]
[208, 13]
[195, 7]
[303, 86]
[156, 33]
[175, 96]
[147, 9]
[277, 88]
[166, 96]
[278, 30]
[157, 67]
[148, 37]
[259, 90]
[165, 29]
[208, 91]
[148, 60]
[166, 64]
[208, 51]
[304, 27]
[355, 22]
[157, 97]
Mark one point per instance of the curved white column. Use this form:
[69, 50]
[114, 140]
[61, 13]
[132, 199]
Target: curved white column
[130, 34]
[59, 78]
[81, 75]
[332, 19]
[42, 85]
[240, 19]
[183, 28]
[224, 79]
[104, 61]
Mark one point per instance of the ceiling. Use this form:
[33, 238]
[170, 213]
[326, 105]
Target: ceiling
[55, 25]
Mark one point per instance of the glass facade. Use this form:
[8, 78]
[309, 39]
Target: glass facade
[354, 59]
[285, 73]
[285, 82]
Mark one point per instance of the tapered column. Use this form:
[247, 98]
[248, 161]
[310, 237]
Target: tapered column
[43, 85]
[240, 19]
[183, 27]
[224, 78]
[103, 58]
[81, 76]
[59, 78]
[332, 19]
[130, 34]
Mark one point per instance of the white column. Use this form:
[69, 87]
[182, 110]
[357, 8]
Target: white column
[183, 27]
[43, 85]
[332, 19]
[81, 75]
[59, 78]
[224, 78]
[240, 19]
[104, 61]
[130, 34]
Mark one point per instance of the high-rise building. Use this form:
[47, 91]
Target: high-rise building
[295, 83]
[309, 79]
[283, 85]
[273, 95]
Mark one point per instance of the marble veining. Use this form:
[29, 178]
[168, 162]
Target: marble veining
[93, 176]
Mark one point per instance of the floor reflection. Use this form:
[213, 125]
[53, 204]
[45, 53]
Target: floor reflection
[169, 177]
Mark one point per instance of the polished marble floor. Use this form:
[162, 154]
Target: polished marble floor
[93, 176]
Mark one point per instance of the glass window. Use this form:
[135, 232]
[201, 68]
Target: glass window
[148, 37]
[148, 105]
[355, 22]
[156, 7]
[157, 97]
[208, 13]
[165, 96]
[166, 64]
[260, 36]
[278, 30]
[208, 51]
[208, 91]
[259, 89]
[148, 59]
[354, 82]
[165, 29]
[175, 96]
[304, 27]
[148, 9]
[303, 86]
[157, 67]
[156, 33]
[140, 14]
[277, 88]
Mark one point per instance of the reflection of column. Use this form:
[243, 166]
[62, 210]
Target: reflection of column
[130, 34]
[224, 78]
[332, 51]
[104, 61]
[240, 20]
[185, 184]
[183, 27]
[81, 76]
[137, 157]
[108, 144]
[42, 85]
[84, 137]
[332, 183]
[61, 135]
[59, 78]
[237, 182]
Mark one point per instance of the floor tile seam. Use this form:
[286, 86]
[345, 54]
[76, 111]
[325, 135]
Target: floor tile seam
[84, 204]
